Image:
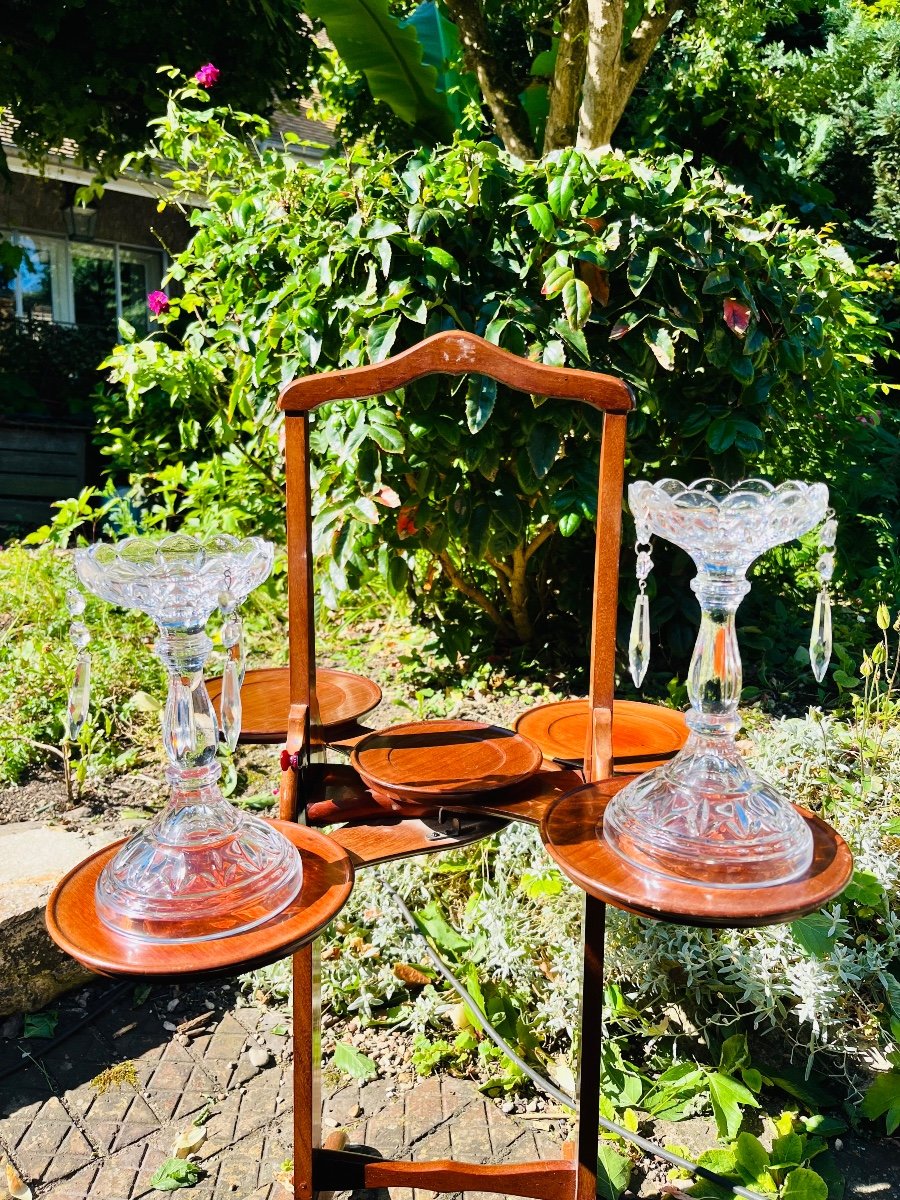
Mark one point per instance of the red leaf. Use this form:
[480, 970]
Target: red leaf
[387, 496]
[597, 280]
[618, 331]
[406, 522]
[737, 316]
[596, 223]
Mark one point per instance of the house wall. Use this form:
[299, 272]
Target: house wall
[34, 205]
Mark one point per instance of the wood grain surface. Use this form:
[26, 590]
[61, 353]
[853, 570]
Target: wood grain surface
[643, 735]
[74, 925]
[456, 352]
[572, 835]
[528, 801]
[547, 1180]
[429, 761]
[266, 701]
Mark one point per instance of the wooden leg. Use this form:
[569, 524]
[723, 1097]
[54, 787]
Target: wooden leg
[591, 1047]
[307, 1048]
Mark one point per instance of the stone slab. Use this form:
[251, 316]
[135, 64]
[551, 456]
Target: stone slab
[33, 858]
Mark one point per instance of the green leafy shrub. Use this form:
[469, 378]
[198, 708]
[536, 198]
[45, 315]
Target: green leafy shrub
[36, 663]
[747, 339]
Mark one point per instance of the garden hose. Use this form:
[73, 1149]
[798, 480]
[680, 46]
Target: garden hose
[106, 1002]
[544, 1084]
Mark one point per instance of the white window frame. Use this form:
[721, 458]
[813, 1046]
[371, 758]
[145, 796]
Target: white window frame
[61, 276]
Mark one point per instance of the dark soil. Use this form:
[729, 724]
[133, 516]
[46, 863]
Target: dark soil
[385, 651]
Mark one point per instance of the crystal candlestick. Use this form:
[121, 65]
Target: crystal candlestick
[705, 816]
[201, 869]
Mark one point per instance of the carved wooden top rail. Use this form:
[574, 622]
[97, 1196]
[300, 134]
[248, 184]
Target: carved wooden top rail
[456, 352]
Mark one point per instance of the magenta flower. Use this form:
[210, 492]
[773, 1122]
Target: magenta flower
[207, 75]
[157, 302]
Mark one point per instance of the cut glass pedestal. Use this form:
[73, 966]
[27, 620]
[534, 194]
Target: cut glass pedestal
[706, 817]
[201, 869]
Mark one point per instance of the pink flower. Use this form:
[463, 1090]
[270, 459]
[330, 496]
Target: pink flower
[158, 302]
[207, 75]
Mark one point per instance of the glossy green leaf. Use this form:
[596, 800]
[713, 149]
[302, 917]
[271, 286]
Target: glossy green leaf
[381, 338]
[804, 1184]
[175, 1173]
[815, 934]
[353, 1062]
[660, 342]
[541, 219]
[543, 447]
[577, 302]
[371, 40]
[640, 269]
[481, 395]
[727, 1096]
[561, 193]
[752, 1161]
[613, 1172]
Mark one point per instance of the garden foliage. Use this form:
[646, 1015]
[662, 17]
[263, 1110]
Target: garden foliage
[747, 340]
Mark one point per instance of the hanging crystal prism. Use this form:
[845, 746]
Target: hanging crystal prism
[79, 698]
[820, 641]
[639, 641]
[179, 734]
[233, 675]
[231, 704]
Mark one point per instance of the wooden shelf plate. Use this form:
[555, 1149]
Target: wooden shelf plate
[644, 735]
[572, 834]
[74, 925]
[265, 701]
[428, 762]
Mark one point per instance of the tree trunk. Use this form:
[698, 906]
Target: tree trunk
[565, 87]
[612, 72]
[518, 601]
[498, 88]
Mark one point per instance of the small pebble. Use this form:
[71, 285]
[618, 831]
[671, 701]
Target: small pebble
[259, 1056]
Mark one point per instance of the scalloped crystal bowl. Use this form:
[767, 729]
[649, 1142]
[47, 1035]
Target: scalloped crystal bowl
[726, 526]
[176, 580]
[201, 869]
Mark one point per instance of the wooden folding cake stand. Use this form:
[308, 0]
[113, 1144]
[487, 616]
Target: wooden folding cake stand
[314, 792]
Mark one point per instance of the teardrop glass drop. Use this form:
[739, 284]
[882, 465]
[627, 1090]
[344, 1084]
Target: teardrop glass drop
[178, 720]
[639, 641]
[231, 703]
[241, 656]
[820, 640]
[79, 695]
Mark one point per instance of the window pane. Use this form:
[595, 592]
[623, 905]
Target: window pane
[94, 285]
[135, 287]
[37, 287]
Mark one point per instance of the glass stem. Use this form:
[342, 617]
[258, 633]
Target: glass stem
[714, 679]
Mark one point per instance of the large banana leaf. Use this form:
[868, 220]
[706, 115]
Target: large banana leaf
[371, 40]
[441, 49]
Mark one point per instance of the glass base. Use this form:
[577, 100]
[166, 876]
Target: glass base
[706, 818]
[200, 871]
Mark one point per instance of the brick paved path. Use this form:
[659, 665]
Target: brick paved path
[69, 1143]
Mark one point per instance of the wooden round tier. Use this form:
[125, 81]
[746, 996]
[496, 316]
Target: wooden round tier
[265, 700]
[572, 832]
[644, 735]
[428, 762]
[76, 928]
